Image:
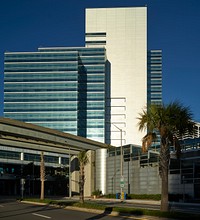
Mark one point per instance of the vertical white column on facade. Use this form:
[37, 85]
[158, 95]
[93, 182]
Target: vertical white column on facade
[59, 160]
[22, 156]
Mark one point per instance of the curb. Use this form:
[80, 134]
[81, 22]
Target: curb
[34, 203]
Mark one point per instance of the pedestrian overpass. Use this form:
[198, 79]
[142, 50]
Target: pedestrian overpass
[25, 135]
[21, 144]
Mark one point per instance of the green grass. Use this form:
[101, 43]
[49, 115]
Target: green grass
[122, 210]
[157, 213]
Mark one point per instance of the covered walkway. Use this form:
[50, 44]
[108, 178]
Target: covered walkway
[19, 134]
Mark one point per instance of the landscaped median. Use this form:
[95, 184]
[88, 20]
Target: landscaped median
[98, 208]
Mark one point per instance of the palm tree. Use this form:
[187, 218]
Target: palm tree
[172, 122]
[42, 175]
[83, 161]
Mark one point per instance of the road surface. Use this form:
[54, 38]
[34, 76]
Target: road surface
[12, 210]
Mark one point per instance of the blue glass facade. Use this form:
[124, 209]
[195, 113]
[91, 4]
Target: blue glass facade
[60, 88]
[154, 77]
[154, 83]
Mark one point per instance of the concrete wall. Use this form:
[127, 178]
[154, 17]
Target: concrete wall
[138, 180]
[145, 180]
[90, 174]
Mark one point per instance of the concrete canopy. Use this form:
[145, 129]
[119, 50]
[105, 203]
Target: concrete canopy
[25, 135]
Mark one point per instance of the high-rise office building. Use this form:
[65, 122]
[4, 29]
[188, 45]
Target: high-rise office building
[59, 88]
[154, 77]
[154, 83]
[123, 32]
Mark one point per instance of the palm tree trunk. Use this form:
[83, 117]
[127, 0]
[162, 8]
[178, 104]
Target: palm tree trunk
[164, 192]
[42, 175]
[82, 179]
[164, 168]
[42, 190]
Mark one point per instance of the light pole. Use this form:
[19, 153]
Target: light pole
[114, 187]
[33, 178]
[70, 186]
[121, 160]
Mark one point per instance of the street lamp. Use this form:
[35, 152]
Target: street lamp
[70, 186]
[121, 159]
[114, 187]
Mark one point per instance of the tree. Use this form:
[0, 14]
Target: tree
[171, 122]
[83, 161]
[42, 175]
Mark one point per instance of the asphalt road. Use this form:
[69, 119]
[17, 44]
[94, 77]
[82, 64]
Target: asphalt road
[11, 210]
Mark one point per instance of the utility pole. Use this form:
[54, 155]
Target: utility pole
[121, 160]
[70, 186]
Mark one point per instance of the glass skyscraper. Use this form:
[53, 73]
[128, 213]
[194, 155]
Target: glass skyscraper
[154, 77]
[154, 84]
[60, 88]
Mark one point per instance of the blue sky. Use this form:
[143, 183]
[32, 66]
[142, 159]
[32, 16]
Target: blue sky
[173, 26]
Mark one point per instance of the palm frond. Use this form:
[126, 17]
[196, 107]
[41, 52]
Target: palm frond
[143, 119]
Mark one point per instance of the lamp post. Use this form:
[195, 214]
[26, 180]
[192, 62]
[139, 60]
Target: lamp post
[33, 178]
[70, 186]
[121, 160]
[114, 187]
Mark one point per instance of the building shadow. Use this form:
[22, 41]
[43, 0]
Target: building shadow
[16, 212]
[107, 211]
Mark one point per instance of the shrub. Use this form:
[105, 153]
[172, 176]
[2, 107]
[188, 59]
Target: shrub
[110, 196]
[156, 197]
[97, 193]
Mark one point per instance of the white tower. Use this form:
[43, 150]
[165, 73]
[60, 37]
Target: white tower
[123, 32]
